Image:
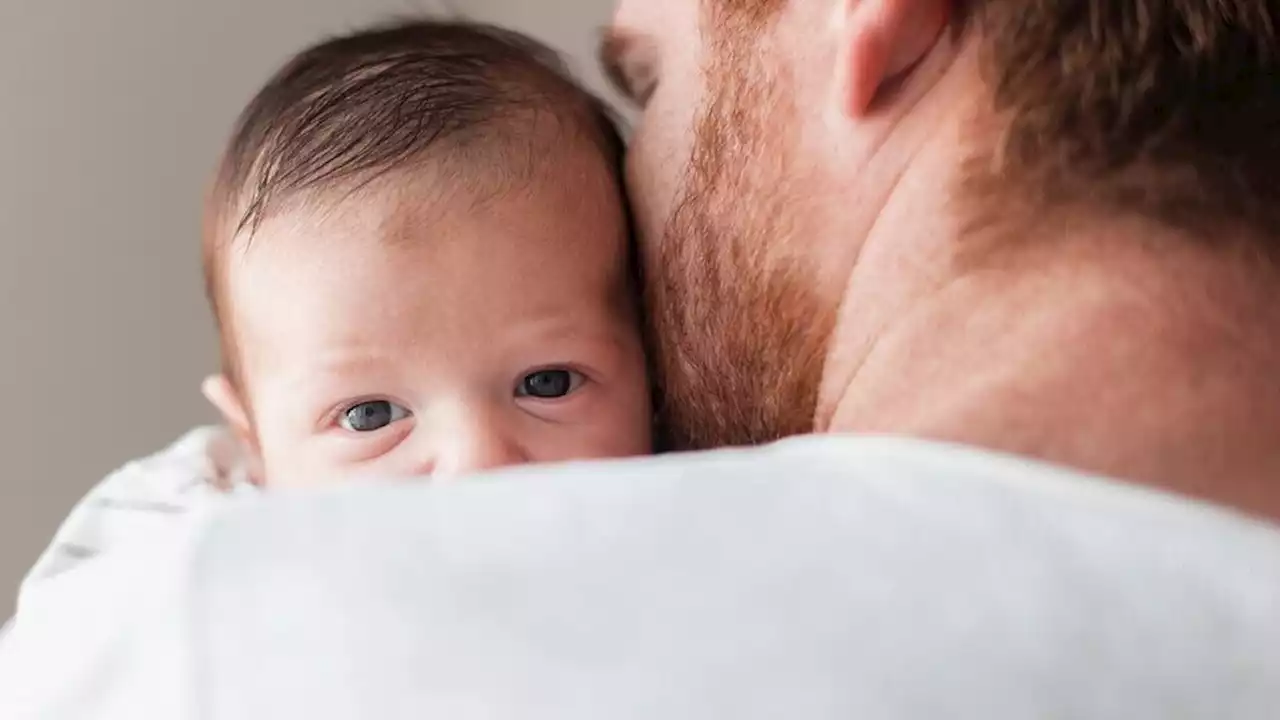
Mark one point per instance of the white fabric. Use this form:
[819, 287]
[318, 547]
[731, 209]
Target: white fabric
[142, 499]
[817, 579]
[77, 599]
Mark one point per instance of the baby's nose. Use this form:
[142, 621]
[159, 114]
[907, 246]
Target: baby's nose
[474, 447]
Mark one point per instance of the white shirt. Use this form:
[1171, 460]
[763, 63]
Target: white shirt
[820, 578]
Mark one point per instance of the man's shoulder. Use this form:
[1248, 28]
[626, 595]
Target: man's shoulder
[849, 487]
[824, 578]
[818, 578]
[913, 472]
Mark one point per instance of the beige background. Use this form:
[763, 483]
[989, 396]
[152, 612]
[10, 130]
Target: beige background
[111, 113]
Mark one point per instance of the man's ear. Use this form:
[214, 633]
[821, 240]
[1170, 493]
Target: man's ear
[222, 394]
[881, 41]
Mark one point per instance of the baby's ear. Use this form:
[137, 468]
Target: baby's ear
[219, 391]
[222, 394]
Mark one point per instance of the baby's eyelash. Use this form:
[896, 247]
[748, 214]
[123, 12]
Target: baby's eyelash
[333, 416]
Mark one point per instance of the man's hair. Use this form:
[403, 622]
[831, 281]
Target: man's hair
[353, 108]
[1166, 109]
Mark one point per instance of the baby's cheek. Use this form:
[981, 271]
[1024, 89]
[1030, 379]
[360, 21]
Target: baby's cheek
[636, 430]
[622, 426]
[295, 465]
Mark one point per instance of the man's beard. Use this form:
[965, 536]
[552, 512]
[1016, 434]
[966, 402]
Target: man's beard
[739, 336]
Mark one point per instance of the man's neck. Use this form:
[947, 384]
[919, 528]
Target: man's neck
[1118, 350]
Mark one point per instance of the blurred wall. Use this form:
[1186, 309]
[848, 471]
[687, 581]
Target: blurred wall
[112, 115]
[571, 25]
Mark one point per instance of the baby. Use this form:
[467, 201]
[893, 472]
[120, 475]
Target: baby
[416, 250]
[418, 256]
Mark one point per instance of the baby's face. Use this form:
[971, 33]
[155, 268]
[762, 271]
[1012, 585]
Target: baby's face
[412, 329]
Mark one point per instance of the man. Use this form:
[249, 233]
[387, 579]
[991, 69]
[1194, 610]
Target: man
[999, 229]
[1043, 228]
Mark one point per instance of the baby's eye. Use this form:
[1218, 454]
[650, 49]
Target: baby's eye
[371, 415]
[549, 384]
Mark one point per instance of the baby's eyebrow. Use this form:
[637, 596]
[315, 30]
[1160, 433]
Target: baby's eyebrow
[336, 367]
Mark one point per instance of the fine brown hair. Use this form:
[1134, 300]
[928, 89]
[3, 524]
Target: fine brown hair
[1163, 109]
[353, 108]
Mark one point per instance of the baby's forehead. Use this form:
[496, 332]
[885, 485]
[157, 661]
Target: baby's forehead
[445, 214]
[570, 183]
[410, 262]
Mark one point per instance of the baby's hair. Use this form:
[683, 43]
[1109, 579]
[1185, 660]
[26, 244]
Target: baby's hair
[353, 108]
